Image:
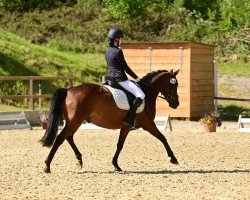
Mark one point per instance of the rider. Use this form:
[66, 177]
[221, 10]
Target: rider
[117, 68]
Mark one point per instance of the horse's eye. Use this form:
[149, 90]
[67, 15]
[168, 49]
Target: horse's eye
[173, 81]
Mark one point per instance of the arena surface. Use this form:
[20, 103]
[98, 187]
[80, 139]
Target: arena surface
[212, 165]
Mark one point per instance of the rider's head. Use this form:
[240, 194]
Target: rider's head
[114, 36]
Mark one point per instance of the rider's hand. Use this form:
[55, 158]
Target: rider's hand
[137, 79]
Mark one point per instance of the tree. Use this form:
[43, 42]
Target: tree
[129, 9]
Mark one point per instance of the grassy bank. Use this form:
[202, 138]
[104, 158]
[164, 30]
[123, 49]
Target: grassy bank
[20, 57]
[234, 69]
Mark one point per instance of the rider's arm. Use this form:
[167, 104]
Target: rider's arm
[125, 65]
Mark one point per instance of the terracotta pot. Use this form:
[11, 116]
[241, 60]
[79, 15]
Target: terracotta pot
[44, 125]
[208, 128]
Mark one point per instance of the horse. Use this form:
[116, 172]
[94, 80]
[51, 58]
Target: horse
[94, 103]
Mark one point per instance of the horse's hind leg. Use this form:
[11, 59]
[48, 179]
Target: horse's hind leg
[153, 130]
[121, 140]
[65, 133]
[59, 140]
[70, 140]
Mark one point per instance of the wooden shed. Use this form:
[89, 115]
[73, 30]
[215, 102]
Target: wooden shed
[196, 78]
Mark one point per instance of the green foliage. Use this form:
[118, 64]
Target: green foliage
[203, 7]
[232, 112]
[83, 27]
[27, 5]
[65, 27]
[122, 9]
[234, 13]
[192, 26]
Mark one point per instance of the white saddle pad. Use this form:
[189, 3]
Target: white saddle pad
[121, 99]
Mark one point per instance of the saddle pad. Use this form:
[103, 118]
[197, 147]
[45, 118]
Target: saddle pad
[121, 99]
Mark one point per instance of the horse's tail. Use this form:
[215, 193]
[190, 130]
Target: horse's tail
[55, 113]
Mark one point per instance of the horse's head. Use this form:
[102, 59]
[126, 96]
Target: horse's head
[166, 83]
[169, 88]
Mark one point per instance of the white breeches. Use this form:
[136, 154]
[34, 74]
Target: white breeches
[131, 87]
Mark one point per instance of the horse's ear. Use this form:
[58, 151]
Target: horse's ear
[171, 71]
[176, 72]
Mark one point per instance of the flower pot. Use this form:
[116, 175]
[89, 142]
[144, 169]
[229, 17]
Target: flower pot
[208, 129]
[44, 125]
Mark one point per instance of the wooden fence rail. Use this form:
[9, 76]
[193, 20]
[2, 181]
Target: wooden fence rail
[43, 96]
[31, 80]
[231, 99]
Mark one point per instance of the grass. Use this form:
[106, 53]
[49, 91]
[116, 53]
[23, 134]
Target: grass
[234, 69]
[234, 80]
[8, 108]
[20, 57]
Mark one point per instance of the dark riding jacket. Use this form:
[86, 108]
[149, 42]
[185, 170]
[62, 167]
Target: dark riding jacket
[117, 64]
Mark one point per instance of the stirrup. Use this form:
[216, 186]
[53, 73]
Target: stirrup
[130, 127]
[128, 124]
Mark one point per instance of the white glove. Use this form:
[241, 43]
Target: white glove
[137, 79]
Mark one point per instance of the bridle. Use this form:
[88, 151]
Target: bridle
[170, 96]
[171, 93]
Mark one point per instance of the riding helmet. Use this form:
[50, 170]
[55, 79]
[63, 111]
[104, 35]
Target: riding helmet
[115, 33]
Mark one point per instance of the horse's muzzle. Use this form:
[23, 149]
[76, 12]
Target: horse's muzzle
[174, 104]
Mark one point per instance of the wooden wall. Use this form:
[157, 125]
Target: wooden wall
[202, 76]
[196, 80]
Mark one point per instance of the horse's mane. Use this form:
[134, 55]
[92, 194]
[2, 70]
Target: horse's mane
[149, 75]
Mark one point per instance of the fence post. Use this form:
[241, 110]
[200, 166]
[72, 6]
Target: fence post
[150, 58]
[215, 86]
[31, 92]
[40, 92]
[70, 83]
[181, 59]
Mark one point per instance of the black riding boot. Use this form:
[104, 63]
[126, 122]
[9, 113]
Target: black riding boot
[130, 118]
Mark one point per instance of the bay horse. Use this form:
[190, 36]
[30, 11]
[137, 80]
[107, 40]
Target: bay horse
[94, 103]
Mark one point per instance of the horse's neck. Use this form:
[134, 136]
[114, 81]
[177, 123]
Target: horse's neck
[150, 91]
[152, 85]
[150, 96]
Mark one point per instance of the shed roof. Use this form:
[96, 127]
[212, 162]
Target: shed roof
[167, 45]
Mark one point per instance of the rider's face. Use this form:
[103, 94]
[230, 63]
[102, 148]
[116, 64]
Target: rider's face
[118, 41]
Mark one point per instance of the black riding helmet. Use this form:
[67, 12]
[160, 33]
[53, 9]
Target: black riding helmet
[115, 33]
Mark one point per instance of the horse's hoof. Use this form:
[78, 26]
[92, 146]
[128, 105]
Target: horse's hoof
[79, 164]
[47, 170]
[174, 161]
[118, 169]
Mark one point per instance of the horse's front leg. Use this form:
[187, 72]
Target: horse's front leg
[153, 130]
[121, 140]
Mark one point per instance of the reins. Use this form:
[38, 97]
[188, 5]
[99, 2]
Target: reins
[170, 95]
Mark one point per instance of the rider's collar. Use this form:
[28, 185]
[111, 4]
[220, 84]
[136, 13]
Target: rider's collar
[117, 46]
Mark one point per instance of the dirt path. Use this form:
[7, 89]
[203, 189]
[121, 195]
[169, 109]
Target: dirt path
[212, 166]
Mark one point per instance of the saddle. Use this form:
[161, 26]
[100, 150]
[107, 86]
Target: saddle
[123, 98]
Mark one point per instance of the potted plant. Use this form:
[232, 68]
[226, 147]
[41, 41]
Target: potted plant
[210, 122]
[43, 119]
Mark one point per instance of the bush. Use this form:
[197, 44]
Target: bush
[27, 5]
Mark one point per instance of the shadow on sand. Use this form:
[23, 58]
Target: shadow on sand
[168, 172]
